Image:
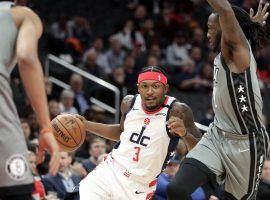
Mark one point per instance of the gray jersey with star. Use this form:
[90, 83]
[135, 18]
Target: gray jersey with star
[237, 100]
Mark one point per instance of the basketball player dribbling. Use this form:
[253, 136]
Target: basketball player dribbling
[233, 150]
[148, 133]
[20, 29]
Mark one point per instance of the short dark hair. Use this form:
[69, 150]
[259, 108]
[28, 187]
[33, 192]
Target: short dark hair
[153, 69]
[253, 31]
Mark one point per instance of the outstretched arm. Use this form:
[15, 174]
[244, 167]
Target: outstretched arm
[234, 45]
[181, 123]
[109, 131]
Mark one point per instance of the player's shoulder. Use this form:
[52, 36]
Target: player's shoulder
[23, 12]
[126, 103]
[180, 108]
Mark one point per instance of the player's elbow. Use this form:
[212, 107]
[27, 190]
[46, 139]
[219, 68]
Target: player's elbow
[26, 59]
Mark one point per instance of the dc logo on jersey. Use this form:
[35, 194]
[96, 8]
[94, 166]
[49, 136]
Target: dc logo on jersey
[16, 167]
[146, 121]
[139, 138]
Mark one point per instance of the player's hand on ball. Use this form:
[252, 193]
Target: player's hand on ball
[48, 142]
[176, 126]
[81, 118]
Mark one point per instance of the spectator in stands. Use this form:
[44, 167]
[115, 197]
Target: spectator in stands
[128, 36]
[152, 61]
[155, 50]
[198, 37]
[208, 118]
[165, 177]
[97, 147]
[81, 99]
[64, 181]
[140, 56]
[149, 34]
[26, 129]
[39, 191]
[117, 78]
[177, 52]
[206, 74]
[34, 126]
[196, 55]
[188, 81]
[50, 91]
[167, 26]
[54, 108]
[59, 33]
[170, 171]
[99, 114]
[90, 65]
[97, 47]
[130, 74]
[140, 14]
[264, 186]
[66, 102]
[79, 28]
[30, 140]
[114, 57]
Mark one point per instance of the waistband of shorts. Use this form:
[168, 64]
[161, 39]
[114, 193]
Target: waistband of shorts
[233, 135]
[129, 175]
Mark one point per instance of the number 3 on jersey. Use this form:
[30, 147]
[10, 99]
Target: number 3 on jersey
[137, 153]
[139, 139]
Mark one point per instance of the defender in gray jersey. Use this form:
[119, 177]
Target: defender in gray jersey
[233, 150]
[20, 29]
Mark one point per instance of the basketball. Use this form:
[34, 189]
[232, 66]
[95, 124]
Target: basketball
[69, 132]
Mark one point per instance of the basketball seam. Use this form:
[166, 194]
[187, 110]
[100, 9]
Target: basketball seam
[80, 131]
[67, 131]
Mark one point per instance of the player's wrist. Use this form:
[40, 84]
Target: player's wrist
[45, 130]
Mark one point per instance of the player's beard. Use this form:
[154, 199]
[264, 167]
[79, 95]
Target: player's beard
[156, 106]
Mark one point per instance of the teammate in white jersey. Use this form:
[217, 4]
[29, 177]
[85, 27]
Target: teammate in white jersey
[148, 133]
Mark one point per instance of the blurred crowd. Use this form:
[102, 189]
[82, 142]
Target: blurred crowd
[166, 33]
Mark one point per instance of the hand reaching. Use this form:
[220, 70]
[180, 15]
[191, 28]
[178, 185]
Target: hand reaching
[48, 142]
[81, 118]
[261, 15]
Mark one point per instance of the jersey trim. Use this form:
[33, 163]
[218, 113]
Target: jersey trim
[251, 97]
[167, 118]
[131, 106]
[242, 99]
[117, 144]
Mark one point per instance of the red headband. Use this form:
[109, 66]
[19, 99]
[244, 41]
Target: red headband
[157, 76]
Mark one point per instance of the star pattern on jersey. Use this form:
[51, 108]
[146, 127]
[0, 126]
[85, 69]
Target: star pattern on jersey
[240, 89]
[242, 98]
[244, 108]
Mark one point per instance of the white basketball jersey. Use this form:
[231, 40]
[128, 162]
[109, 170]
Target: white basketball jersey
[145, 144]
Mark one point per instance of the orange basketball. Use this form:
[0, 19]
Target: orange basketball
[69, 132]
